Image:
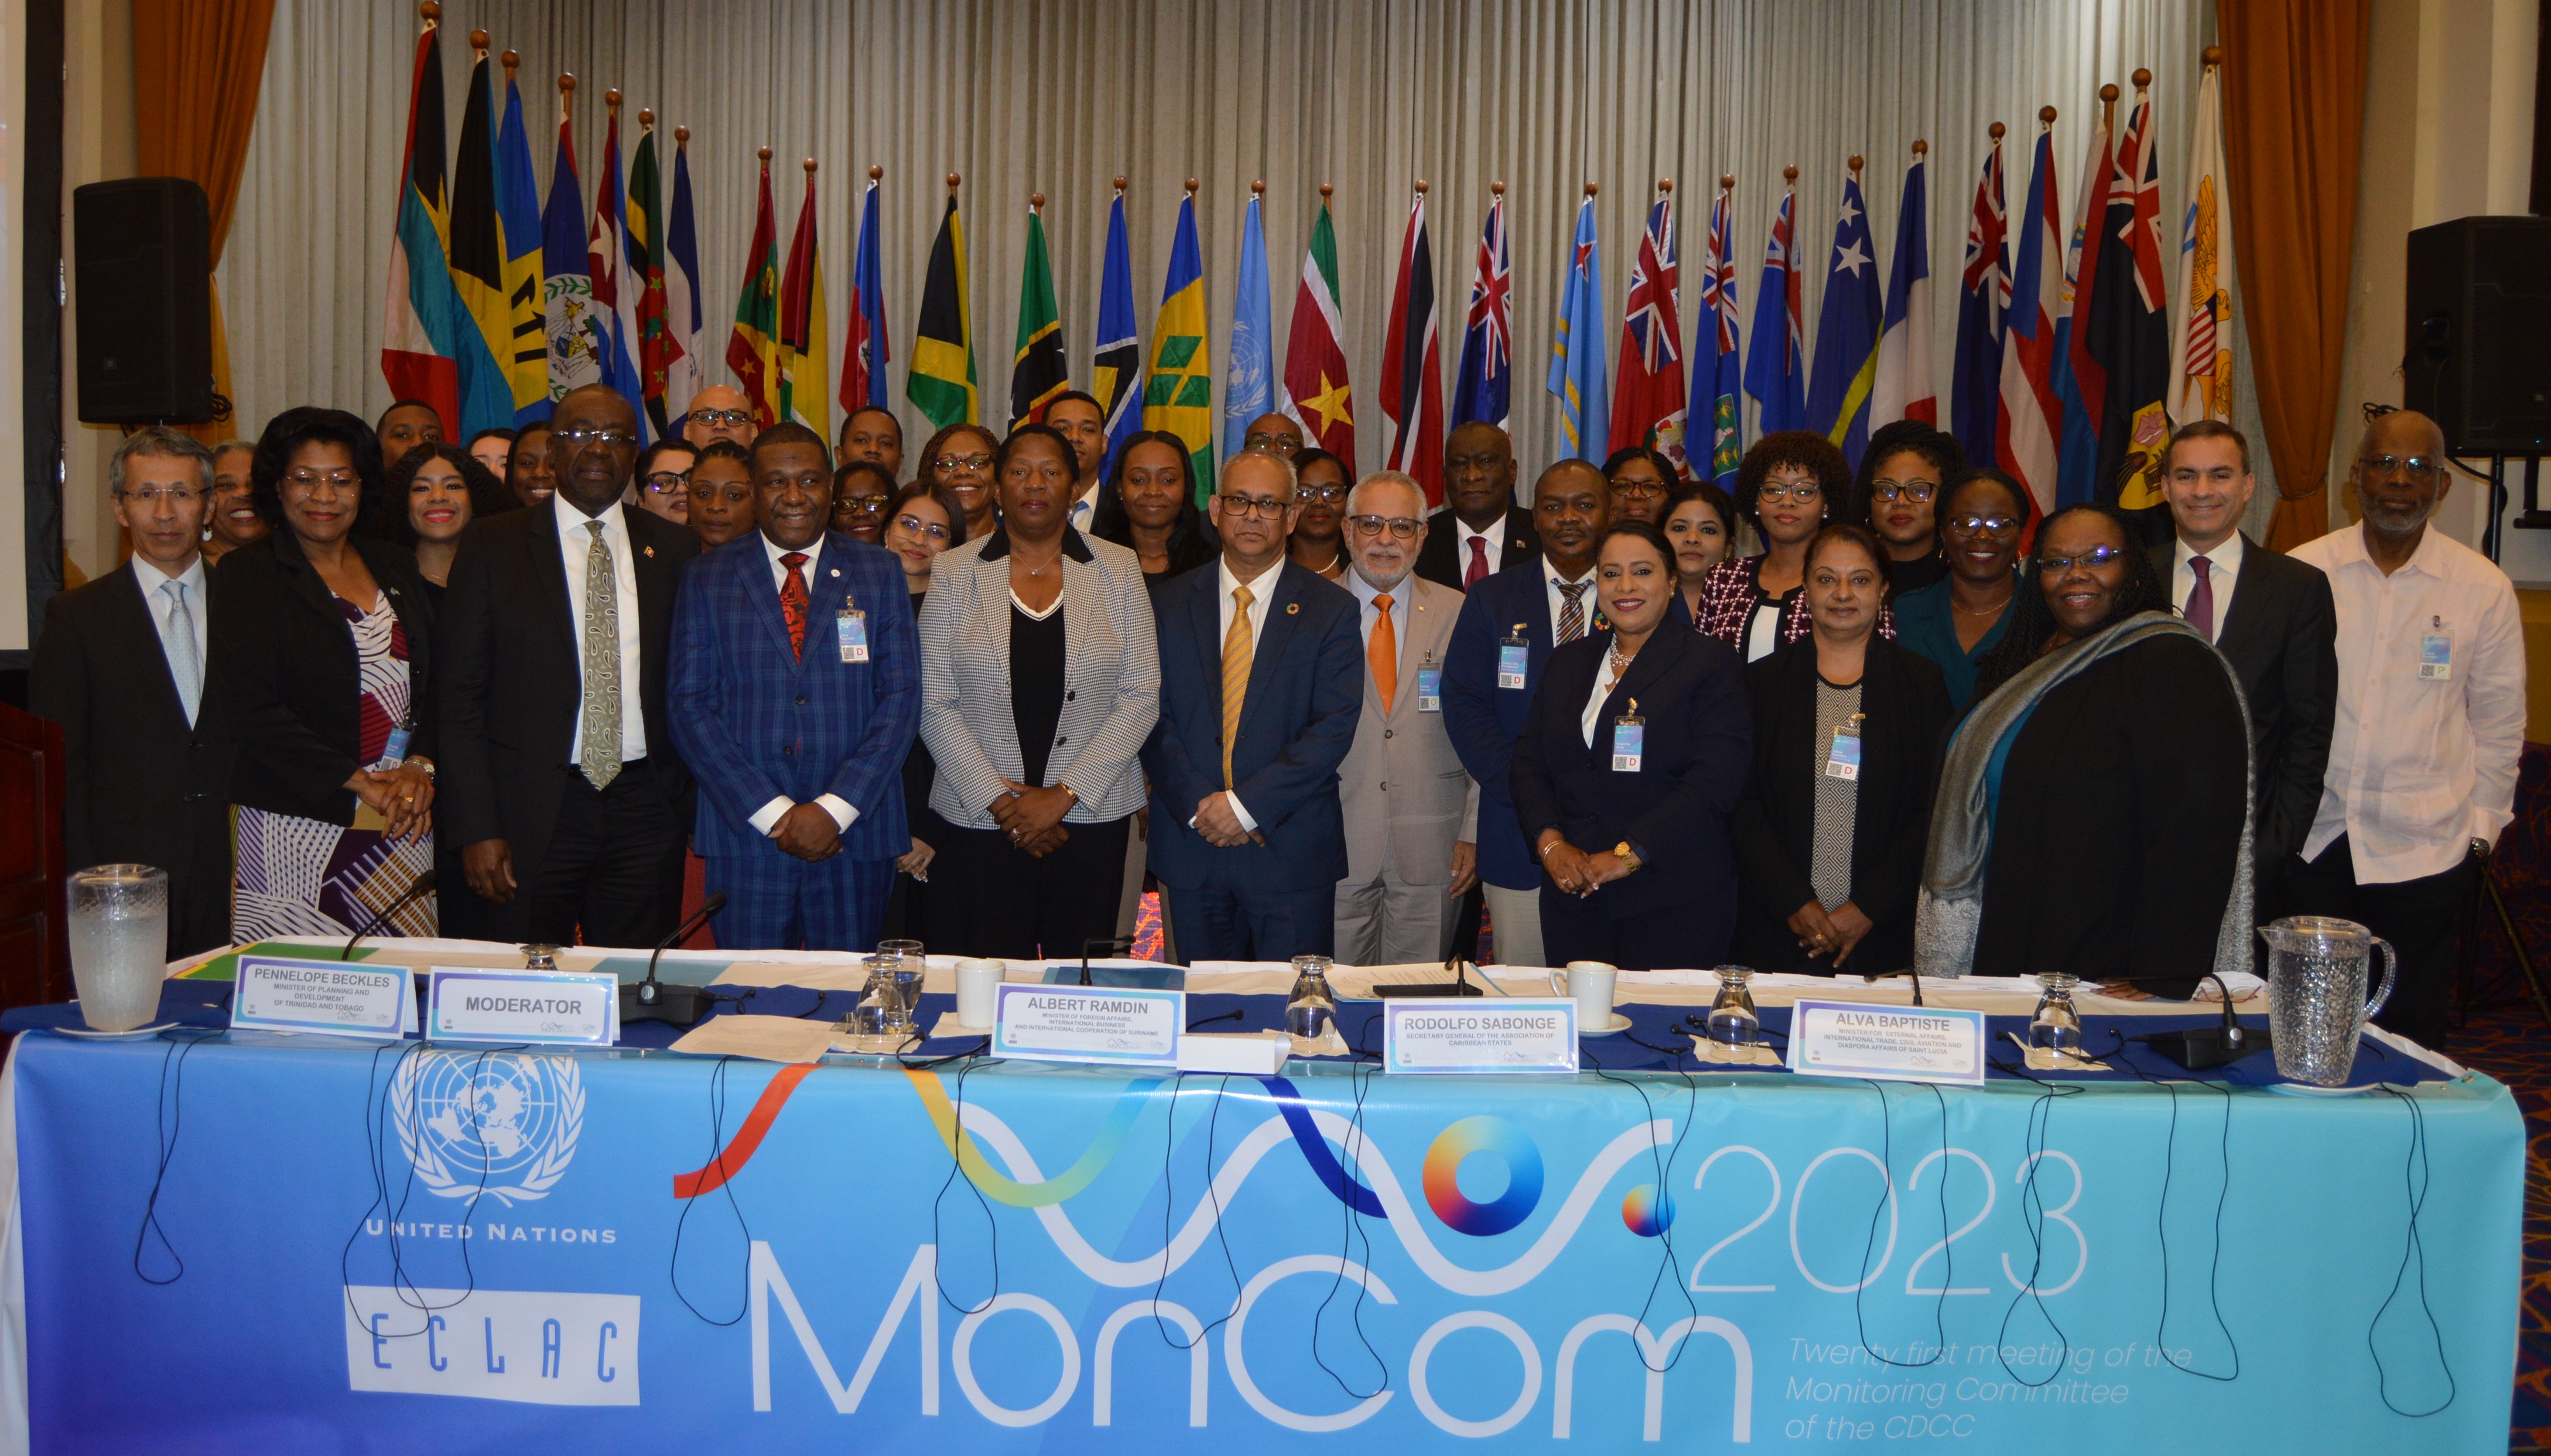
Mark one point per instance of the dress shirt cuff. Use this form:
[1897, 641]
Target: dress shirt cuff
[767, 818]
[1241, 811]
[844, 816]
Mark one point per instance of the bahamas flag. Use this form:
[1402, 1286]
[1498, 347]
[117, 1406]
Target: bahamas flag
[478, 262]
[1037, 369]
[518, 215]
[1577, 352]
[752, 348]
[942, 381]
[423, 321]
[805, 336]
[1178, 397]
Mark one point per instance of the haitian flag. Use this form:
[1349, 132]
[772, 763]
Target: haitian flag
[1903, 387]
[1777, 375]
[2032, 418]
[1716, 376]
[1483, 387]
[1847, 327]
[1648, 404]
[1412, 380]
[866, 353]
[2128, 331]
[1974, 376]
[1316, 394]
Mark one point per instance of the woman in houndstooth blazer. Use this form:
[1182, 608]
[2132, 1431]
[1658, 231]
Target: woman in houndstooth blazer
[1041, 680]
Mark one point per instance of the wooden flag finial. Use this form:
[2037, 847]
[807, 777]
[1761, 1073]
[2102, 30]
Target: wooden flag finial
[1664, 186]
[1727, 181]
[1120, 184]
[510, 61]
[1036, 200]
[2213, 56]
[479, 43]
[1920, 147]
[1854, 163]
[647, 117]
[430, 13]
[1421, 186]
[875, 174]
[1327, 191]
[1592, 189]
[1790, 175]
[1257, 188]
[953, 182]
[809, 165]
[611, 98]
[2142, 77]
[1996, 130]
[2046, 116]
[1497, 189]
[681, 136]
[765, 154]
[566, 83]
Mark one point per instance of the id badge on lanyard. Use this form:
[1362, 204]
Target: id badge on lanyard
[850, 632]
[1844, 761]
[1629, 738]
[394, 752]
[1430, 688]
[2436, 653]
[1514, 658]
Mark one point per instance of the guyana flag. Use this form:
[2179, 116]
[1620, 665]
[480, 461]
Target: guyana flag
[942, 381]
[805, 388]
[753, 349]
[486, 343]
[1037, 369]
[1179, 396]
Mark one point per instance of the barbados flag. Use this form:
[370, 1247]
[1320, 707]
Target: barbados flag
[1179, 396]
[518, 214]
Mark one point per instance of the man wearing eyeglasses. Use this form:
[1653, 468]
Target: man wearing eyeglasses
[1261, 684]
[1411, 810]
[719, 411]
[1487, 532]
[2430, 719]
[121, 665]
[559, 776]
[2272, 617]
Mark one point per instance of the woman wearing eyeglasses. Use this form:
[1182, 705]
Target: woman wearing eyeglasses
[1957, 621]
[322, 645]
[1791, 485]
[1040, 680]
[1149, 508]
[959, 458]
[1901, 475]
[661, 480]
[923, 521]
[861, 494]
[1319, 542]
[1641, 479]
[2095, 813]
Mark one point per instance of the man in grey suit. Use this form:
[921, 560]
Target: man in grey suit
[1411, 812]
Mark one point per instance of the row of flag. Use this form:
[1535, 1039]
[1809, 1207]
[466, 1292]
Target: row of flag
[2069, 369]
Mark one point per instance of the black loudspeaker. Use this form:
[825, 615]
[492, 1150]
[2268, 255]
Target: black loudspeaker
[2479, 341]
[143, 252]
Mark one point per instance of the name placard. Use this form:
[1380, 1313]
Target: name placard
[1128, 1026]
[1893, 1044]
[549, 1008]
[1520, 1034]
[323, 997]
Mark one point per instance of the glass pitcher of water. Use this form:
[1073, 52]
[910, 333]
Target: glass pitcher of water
[2316, 1002]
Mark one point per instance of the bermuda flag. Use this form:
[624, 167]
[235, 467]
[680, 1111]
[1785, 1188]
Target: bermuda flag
[1648, 405]
[1903, 387]
[1485, 390]
[1776, 375]
[2078, 457]
[2032, 418]
[1717, 374]
[1412, 380]
[1315, 359]
[866, 353]
[1975, 400]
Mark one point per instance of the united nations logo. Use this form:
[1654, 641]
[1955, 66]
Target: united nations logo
[496, 1123]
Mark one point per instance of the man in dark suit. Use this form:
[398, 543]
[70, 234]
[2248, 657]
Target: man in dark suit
[1488, 532]
[2272, 617]
[1533, 605]
[795, 692]
[1261, 678]
[559, 776]
[121, 666]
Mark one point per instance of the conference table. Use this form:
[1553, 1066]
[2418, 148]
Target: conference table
[236, 1240]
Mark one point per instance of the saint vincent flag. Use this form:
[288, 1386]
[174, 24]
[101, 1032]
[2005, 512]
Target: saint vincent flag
[1038, 371]
[753, 349]
[805, 336]
[518, 214]
[1179, 396]
[941, 379]
[642, 242]
[476, 257]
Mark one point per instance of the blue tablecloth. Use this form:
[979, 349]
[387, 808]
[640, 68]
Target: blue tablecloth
[265, 1246]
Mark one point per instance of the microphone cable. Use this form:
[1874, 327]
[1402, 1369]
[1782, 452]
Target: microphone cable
[1168, 1206]
[2161, 1216]
[725, 1185]
[2032, 1208]
[2416, 1180]
[1948, 1250]
[1359, 1075]
[1666, 1259]
[168, 1116]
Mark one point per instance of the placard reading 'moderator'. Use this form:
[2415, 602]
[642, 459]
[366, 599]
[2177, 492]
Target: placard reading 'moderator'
[1127, 1027]
[1515, 1033]
[1893, 1044]
[323, 997]
[543, 1008]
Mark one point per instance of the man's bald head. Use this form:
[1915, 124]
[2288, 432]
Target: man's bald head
[2401, 476]
[1272, 431]
[725, 401]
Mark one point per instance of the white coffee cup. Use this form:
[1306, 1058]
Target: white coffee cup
[1590, 982]
[977, 987]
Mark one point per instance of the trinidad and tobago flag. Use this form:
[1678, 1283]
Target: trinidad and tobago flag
[1412, 382]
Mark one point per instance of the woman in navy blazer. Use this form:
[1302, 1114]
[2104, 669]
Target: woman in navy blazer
[1626, 771]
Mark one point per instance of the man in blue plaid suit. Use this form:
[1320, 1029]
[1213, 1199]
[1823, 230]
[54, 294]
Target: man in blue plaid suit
[794, 695]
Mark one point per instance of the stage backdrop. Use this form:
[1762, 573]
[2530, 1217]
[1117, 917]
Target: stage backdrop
[1062, 95]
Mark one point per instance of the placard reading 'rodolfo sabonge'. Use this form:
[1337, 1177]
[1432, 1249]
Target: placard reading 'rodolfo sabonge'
[1513, 1034]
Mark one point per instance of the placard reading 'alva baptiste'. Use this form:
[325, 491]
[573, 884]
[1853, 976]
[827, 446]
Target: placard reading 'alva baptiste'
[1125, 1027]
[1512, 1034]
[1893, 1044]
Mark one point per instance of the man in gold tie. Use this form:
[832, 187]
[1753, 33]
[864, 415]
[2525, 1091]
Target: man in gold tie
[1262, 679]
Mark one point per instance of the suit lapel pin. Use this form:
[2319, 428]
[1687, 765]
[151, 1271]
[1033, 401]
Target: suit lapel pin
[837, 571]
[1293, 608]
[648, 551]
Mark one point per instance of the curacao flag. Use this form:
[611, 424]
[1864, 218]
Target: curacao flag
[1179, 395]
[1847, 328]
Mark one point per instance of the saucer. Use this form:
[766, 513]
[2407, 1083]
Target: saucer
[1617, 1024]
[138, 1033]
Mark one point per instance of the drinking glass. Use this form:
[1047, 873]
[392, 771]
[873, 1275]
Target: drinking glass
[1732, 1017]
[1310, 1010]
[2056, 1027]
[894, 985]
[915, 966]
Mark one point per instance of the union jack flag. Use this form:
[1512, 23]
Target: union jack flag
[1486, 380]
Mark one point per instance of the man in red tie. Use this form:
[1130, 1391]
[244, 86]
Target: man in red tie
[795, 694]
[1487, 533]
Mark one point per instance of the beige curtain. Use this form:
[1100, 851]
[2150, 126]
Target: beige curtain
[1061, 95]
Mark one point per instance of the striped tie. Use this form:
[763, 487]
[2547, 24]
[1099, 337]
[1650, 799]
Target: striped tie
[1572, 611]
[1238, 648]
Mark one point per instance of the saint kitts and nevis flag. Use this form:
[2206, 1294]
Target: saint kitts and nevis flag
[752, 348]
[1848, 325]
[941, 379]
[1717, 375]
[1038, 370]
[805, 336]
[1179, 395]
[425, 328]
[1412, 380]
[1647, 402]
[1316, 395]
[1484, 387]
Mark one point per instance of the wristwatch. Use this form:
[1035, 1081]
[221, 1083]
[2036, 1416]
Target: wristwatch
[1628, 856]
[424, 764]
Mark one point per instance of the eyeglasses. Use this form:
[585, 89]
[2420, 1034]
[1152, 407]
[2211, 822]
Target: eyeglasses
[666, 483]
[1262, 508]
[1919, 492]
[305, 481]
[1401, 527]
[963, 462]
[614, 440]
[1262, 441]
[2095, 557]
[1643, 490]
[723, 417]
[930, 529]
[2418, 468]
[865, 504]
[151, 495]
[1984, 525]
[1326, 494]
[1801, 491]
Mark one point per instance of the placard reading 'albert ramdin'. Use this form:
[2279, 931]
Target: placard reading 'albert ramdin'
[1087, 1024]
[1513, 1034]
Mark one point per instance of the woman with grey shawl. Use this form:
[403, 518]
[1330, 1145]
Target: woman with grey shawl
[2094, 813]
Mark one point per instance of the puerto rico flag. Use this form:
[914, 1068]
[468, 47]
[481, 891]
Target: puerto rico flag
[1648, 406]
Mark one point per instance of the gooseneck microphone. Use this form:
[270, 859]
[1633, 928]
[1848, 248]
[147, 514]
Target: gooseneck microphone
[417, 889]
[1112, 944]
[654, 1001]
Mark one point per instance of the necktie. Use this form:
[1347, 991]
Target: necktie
[2200, 600]
[1237, 650]
[1381, 652]
[1479, 566]
[792, 602]
[185, 665]
[1572, 613]
[601, 757]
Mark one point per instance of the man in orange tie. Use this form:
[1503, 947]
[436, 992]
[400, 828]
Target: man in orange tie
[1411, 812]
